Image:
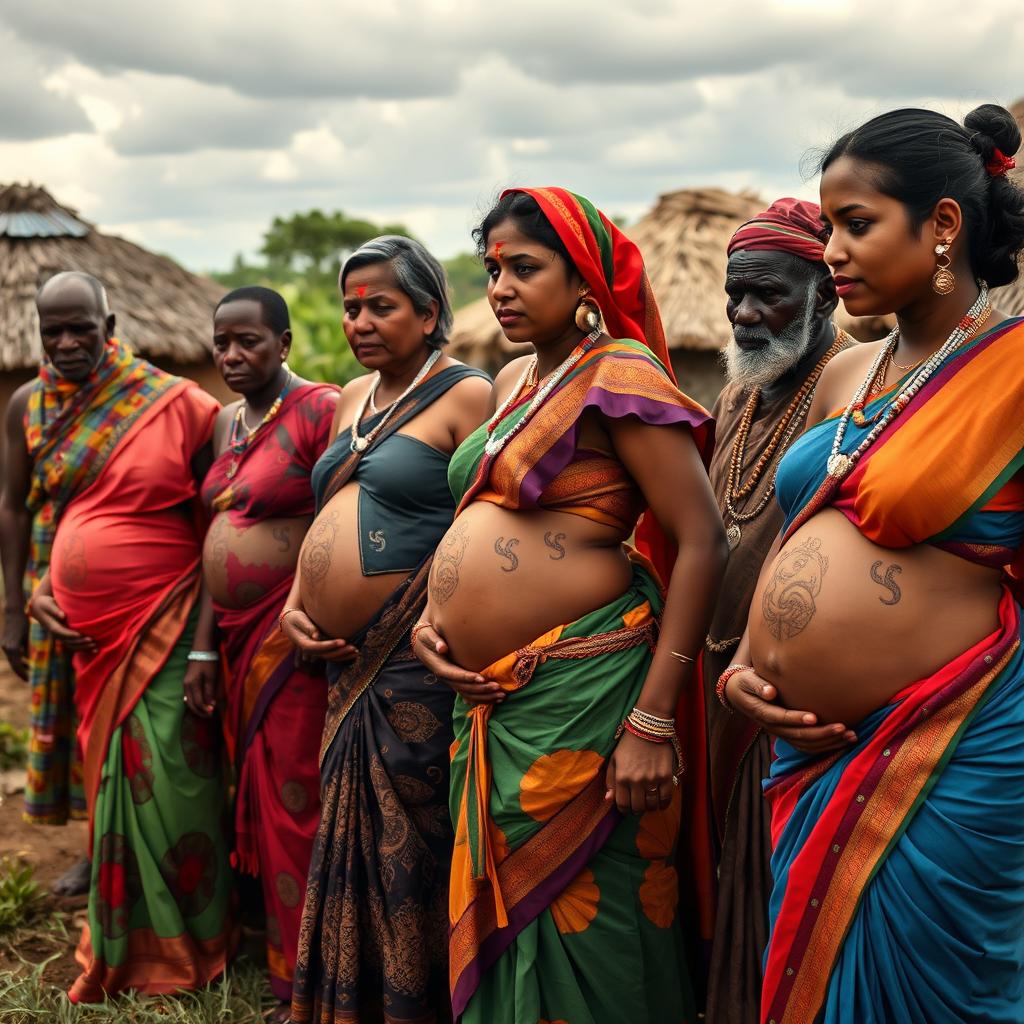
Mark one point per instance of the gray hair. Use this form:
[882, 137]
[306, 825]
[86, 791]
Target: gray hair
[418, 274]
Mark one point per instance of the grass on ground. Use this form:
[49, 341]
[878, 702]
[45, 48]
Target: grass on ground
[35, 936]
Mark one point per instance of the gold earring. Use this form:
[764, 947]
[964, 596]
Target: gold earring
[588, 316]
[943, 280]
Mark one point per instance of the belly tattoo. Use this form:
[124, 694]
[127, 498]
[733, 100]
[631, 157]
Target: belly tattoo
[504, 548]
[444, 573]
[283, 537]
[316, 553]
[888, 581]
[788, 603]
[553, 540]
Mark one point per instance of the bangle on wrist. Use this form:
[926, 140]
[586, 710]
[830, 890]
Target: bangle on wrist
[203, 656]
[723, 681]
[285, 612]
[416, 630]
[654, 729]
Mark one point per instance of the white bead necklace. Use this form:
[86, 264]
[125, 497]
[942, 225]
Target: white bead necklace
[839, 464]
[360, 444]
[493, 444]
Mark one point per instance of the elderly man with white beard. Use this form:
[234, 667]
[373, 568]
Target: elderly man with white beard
[780, 302]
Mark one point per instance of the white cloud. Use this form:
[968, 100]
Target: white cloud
[191, 125]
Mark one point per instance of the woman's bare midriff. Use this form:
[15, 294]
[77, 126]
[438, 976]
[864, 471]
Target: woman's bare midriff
[502, 578]
[241, 564]
[840, 625]
[335, 593]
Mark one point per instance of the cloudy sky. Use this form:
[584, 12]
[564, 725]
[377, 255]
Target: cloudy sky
[186, 126]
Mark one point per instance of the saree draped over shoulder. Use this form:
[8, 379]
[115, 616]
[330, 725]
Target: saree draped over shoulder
[276, 708]
[899, 864]
[125, 570]
[70, 431]
[372, 945]
[560, 908]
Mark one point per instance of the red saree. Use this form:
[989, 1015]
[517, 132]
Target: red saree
[275, 708]
[125, 570]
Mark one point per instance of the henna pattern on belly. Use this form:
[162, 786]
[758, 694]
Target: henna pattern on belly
[887, 581]
[504, 548]
[283, 538]
[444, 573]
[74, 568]
[217, 539]
[316, 552]
[553, 540]
[788, 603]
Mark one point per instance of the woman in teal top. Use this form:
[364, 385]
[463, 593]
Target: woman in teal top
[374, 928]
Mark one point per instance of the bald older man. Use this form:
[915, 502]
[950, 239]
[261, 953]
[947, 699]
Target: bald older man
[780, 302]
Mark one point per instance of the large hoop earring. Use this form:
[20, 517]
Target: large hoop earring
[588, 316]
[943, 280]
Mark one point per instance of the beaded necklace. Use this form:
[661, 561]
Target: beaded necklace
[493, 444]
[780, 441]
[360, 444]
[839, 464]
[239, 442]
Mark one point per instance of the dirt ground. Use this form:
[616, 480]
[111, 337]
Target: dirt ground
[51, 850]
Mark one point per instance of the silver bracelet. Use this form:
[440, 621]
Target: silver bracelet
[203, 656]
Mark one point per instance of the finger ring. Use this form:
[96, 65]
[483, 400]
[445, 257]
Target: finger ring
[653, 789]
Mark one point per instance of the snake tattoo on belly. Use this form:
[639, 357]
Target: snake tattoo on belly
[888, 581]
[554, 541]
[788, 602]
[504, 548]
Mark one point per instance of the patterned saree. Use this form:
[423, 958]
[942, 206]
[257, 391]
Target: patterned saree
[276, 708]
[372, 945]
[899, 864]
[560, 908]
[125, 570]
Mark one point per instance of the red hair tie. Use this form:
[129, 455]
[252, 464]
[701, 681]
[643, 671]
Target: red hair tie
[1000, 163]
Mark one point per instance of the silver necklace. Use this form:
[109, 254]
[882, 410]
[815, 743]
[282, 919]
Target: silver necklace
[840, 465]
[494, 444]
[359, 443]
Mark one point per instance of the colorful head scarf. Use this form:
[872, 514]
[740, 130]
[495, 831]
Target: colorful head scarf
[788, 225]
[610, 263]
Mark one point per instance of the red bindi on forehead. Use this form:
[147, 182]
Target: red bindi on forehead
[361, 290]
[498, 246]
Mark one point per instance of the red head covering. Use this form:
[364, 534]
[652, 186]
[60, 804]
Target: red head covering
[788, 225]
[610, 263]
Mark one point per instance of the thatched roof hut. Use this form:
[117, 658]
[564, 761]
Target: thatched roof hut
[163, 311]
[1010, 298]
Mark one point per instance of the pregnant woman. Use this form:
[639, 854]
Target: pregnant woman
[259, 493]
[897, 826]
[565, 772]
[372, 947]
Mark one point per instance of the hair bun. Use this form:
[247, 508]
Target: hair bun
[993, 127]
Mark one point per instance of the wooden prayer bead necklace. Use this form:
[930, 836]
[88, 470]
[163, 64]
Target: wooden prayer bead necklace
[779, 443]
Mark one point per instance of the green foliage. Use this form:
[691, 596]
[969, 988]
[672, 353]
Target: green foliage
[19, 893]
[467, 279]
[13, 747]
[241, 997]
[320, 350]
[318, 242]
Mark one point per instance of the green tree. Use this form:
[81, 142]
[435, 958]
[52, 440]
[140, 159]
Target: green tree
[467, 279]
[317, 241]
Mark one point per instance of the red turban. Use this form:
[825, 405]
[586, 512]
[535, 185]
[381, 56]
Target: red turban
[788, 225]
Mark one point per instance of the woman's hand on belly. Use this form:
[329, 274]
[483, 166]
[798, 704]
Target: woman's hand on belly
[430, 648]
[310, 643]
[44, 609]
[753, 697]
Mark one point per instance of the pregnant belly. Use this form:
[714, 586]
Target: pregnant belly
[841, 625]
[500, 579]
[335, 594]
[243, 563]
[105, 566]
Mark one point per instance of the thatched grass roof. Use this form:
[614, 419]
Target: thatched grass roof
[1010, 298]
[162, 310]
[683, 240]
